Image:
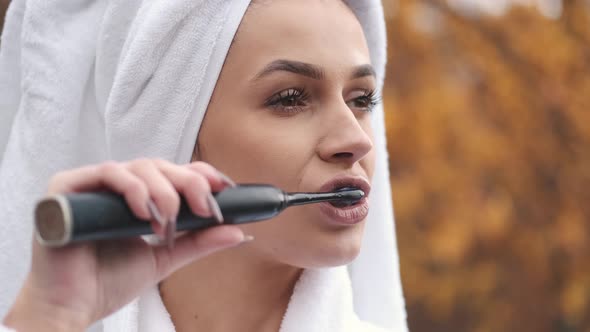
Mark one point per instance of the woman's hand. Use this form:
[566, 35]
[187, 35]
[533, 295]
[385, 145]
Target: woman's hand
[69, 288]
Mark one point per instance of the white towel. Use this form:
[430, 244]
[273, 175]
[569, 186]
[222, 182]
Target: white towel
[10, 68]
[94, 74]
[327, 291]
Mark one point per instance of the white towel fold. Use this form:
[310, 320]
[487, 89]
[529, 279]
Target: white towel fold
[322, 301]
[114, 79]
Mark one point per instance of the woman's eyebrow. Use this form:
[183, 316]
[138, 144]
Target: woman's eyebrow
[309, 70]
[363, 70]
[296, 67]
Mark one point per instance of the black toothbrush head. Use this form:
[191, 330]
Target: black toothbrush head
[346, 196]
[349, 196]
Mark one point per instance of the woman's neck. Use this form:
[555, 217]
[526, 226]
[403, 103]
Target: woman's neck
[229, 291]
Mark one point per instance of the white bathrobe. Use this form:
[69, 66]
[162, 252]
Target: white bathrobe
[92, 80]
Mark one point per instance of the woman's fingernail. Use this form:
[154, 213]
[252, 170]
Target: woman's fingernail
[214, 207]
[226, 179]
[171, 233]
[156, 215]
[247, 238]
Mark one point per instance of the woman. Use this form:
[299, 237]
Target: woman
[290, 100]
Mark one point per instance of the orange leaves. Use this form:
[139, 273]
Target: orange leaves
[489, 137]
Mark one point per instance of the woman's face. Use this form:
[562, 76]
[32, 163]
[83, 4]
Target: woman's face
[292, 108]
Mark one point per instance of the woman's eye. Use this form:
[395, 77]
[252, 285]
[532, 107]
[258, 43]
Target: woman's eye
[365, 102]
[362, 102]
[290, 100]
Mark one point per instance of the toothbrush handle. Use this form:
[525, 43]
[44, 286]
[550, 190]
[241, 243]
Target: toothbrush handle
[64, 219]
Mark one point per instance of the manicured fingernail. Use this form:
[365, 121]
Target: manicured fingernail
[156, 215]
[170, 233]
[226, 179]
[214, 207]
[247, 238]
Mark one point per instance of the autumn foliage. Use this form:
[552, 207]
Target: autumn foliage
[489, 137]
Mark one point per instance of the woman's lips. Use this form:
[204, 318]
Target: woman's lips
[346, 215]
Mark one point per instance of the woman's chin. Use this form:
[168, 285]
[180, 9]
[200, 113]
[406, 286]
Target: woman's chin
[332, 254]
[339, 258]
[310, 244]
[340, 247]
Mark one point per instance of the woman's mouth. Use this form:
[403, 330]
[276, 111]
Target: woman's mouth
[346, 212]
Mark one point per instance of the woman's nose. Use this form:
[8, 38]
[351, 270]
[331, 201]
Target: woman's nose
[345, 140]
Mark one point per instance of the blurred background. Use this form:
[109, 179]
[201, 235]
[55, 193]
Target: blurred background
[488, 116]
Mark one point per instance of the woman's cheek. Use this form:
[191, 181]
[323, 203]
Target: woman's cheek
[283, 159]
